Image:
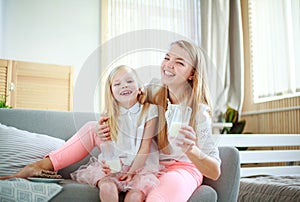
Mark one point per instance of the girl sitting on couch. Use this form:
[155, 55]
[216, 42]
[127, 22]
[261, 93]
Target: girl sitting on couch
[132, 126]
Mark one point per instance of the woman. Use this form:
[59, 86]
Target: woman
[195, 155]
[183, 77]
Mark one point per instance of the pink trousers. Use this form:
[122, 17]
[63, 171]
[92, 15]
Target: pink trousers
[76, 148]
[177, 183]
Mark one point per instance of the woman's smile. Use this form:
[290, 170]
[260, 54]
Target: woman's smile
[168, 73]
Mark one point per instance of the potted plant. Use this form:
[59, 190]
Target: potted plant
[3, 102]
[232, 116]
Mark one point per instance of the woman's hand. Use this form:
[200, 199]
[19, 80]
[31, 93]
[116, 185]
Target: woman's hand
[102, 129]
[206, 164]
[187, 138]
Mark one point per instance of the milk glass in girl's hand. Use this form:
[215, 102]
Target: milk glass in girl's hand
[181, 117]
[110, 156]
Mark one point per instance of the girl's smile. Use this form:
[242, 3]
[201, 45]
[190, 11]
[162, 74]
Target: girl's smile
[126, 92]
[125, 88]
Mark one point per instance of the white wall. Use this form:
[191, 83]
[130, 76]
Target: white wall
[1, 27]
[61, 32]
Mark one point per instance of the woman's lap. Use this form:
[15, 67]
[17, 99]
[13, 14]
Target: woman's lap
[176, 184]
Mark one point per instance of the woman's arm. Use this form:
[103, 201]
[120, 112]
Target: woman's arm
[141, 157]
[206, 164]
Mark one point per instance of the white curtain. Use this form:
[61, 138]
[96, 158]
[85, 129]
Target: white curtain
[214, 25]
[139, 33]
[177, 18]
[222, 39]
[275, 44]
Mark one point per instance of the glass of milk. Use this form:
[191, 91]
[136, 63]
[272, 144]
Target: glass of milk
[110, 155]
[180, 117]
[114, 165]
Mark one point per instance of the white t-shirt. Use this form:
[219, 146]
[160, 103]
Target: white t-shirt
[130, 134]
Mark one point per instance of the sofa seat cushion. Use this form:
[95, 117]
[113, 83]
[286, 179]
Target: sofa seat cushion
[20, 148]
[77, 192]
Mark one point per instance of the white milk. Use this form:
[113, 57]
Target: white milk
[174, 129]
[114, 165]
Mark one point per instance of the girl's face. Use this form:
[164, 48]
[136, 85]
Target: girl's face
[124, 88]
[176, 68]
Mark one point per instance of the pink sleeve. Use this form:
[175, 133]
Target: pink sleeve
[76, 148]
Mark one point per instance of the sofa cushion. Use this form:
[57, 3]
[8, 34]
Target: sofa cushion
[19, 148]
[18, 189]
[77, 192]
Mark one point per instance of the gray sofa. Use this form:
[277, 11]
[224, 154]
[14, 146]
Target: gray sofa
[64, 124]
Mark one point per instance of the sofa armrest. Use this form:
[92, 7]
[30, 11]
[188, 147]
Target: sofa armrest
[204, 193]
[227, 186]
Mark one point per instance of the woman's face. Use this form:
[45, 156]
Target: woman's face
[124, 87]
[176, 68]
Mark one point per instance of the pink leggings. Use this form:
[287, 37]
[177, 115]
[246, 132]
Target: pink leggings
[76, 148]
[177, 183]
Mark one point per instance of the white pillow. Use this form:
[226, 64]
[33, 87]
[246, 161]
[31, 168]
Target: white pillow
[18, 148]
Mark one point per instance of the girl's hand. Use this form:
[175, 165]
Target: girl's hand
[105, 168]
[126, 177]
[187, 138]
[102, 129]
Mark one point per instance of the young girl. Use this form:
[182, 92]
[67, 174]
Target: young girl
[132, 126]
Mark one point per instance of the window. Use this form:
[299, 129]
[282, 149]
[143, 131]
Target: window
[275, 45]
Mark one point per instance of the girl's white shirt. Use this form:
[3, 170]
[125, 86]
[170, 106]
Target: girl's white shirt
[203, 131]
[130, 134]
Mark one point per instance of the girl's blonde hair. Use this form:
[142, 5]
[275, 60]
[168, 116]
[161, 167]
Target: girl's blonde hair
[111, 108]
[197, 88]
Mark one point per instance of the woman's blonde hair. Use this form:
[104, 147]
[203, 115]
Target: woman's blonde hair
[111, 108]
[197, 88]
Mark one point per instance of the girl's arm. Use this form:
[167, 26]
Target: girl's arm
[141, 157]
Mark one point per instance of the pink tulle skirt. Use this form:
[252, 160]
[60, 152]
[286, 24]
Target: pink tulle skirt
[91, 173]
